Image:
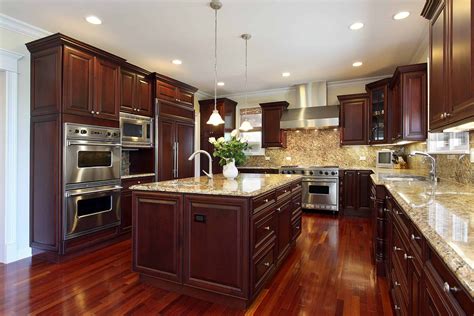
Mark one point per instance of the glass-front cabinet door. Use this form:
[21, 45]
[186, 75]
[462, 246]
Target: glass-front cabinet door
[378, 111]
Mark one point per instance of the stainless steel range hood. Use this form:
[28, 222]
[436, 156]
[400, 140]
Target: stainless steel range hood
[311, 109]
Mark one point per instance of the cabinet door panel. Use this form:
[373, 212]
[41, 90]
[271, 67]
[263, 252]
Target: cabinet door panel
[157, 250]
[185, 141]
[144, 99]
[438, 69]
[165, 91]
[354, 122]
[78, 90]
[271, 133]
[350, 185]
[127, 91]
[185, 98]
[363, 190]
[395, 123]
[126, 210]
[414, 106]
[166, 140]
[107, 89]
[284, 228]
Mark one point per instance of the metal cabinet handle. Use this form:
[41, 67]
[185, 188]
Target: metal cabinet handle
[398, 212]
[177, 159]
[92, 112]
[406, 257]
[284, 191]
[266, 200]
[447, 115]
[266, 227]
[372, 198]
[397, 308]
[386, 210]
[97, 113]
[278, 209]
[138, 110]
[396, 283]
[266, 264]
[442, 115]
[395, 248]
[298, 227]
[139, 182]
[448, 288]
[413, 237]
[298, 203]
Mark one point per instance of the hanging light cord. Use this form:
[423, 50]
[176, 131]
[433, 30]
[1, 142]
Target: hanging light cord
[246, 70]
[215, 59]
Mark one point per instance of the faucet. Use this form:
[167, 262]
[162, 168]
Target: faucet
[433, 177]
[209, 175]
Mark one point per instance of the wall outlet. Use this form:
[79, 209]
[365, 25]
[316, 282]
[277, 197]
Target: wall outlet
[267, 158]
[362, 158]
[288, 158]
[451, 157]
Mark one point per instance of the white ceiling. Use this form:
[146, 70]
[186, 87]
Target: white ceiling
[310, 39]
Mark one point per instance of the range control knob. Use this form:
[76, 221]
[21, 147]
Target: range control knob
[109, 134]
[83, 131]
[326, 173]
[311, 172]
[333, 173]
[320, 172]
[76, 131]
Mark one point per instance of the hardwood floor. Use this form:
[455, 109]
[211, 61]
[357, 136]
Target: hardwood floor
[329, 273]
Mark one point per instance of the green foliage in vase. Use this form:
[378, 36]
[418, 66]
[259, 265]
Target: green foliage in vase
[233, 148]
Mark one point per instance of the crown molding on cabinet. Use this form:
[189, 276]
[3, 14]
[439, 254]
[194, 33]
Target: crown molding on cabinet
[12, 24]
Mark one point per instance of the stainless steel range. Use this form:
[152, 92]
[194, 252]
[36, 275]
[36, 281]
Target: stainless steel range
[320, 186]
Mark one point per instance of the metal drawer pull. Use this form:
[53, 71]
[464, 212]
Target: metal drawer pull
[447, 288]
[266, 264]
[284, 191]
[266, 200]
[92, 112]
[278, 209]
[372, 198]
[386, 210]
[398, 212]
[396, 283]
[413, 237]
[397, 308]
[266, 227]
[298, 227]
[406, 256]
[395, 248]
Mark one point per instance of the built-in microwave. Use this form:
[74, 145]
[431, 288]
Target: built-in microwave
[385, 159]
[137, 131]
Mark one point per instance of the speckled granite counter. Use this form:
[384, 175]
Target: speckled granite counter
[444, 213]
[244, 185]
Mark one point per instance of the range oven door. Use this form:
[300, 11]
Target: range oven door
[87, 161]
[91, 209]
[137, 131]
[321, 194]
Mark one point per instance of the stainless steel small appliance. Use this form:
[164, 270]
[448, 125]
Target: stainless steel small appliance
[91, 153]
[320, 186]
[137, 131]
[385, 159]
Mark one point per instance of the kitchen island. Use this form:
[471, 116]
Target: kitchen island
[215, 239]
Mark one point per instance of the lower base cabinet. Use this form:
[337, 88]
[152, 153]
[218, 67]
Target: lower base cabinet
[126, 201]
[219, 248]
[356, 192]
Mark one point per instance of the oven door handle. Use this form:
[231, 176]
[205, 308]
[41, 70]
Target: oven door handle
[116, 188]
[79, 142]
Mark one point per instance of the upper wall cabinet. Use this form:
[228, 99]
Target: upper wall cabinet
[354, 116]
[451, 62]
[272, 135]
[173, 93]
[90, 81]
[409, 109]
[379, 98]
[136, 91]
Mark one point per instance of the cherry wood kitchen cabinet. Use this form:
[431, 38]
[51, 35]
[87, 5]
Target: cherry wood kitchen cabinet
[272, 135]
[126, 201]
[136, 91]
[356, 192]
[221, 248]
[354, 119]
[226, 108]
[169, 91]
[451, 62]
[409, 108]
[379, 104]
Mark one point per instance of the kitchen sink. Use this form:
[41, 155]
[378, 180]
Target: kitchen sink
[403, 178]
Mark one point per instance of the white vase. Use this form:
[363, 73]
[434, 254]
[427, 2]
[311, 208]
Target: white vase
[230, 171]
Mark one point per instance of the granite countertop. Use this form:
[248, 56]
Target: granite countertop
[138, 175]
[245, 185]
[257, 167]
[444, 214]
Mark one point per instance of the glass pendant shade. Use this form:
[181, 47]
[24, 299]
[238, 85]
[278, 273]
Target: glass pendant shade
[215, 119]
[246, 126]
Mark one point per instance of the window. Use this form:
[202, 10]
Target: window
[448, 143]
[254, 136]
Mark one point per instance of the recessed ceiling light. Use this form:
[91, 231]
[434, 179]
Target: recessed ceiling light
[357, 64]
[356, 26]
[92, 19]
[285, 74]
[221, 84]
[177, 61]
[401, 15]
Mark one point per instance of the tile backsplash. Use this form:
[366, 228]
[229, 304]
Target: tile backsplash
[321, 147]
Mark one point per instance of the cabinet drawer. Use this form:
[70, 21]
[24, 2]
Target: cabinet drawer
[283, 192]
[296, 228]
[263, 267]
[398, 305]
[399, 250]
[416, 241]
[296, 203]
[400, 283]
[402, 220]
[185, 97]
[165, 91]
[264, 228]
[127, 183]
[263, 201]
[296, 187]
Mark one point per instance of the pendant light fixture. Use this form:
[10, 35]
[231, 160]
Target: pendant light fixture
[215, 118]
[246, 126]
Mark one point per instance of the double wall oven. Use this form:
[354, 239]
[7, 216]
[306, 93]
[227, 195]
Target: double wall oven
[320, 186]
[92, 158]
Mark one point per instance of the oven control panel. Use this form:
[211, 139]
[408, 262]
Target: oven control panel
[79, 131]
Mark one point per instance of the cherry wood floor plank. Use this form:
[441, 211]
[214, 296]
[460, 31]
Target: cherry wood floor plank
[330, 272]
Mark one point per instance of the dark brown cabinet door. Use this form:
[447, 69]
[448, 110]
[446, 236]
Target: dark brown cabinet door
[144, 98]
[350, 185]
[166, 141]
[461, 60]
[414, 105]
[107, 89]
[78, 89]
[363, 190]
[415, 290]
[354, 119]
[157, 249]
[127, 91]
[126, 210]
[379, 98]
[166, 91]
[438, 63]
[185, 143]
[395, 113]
[272, 135]
[284, 227]
[185, 98]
